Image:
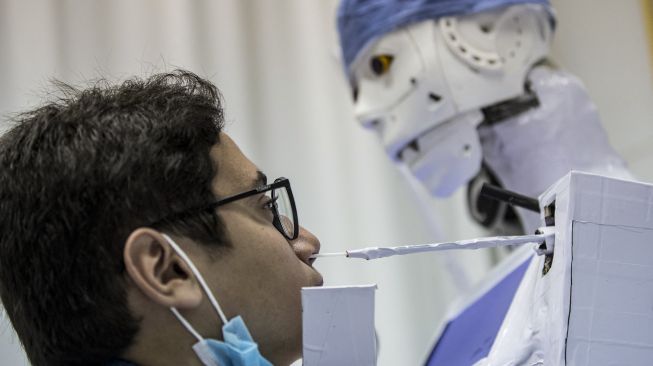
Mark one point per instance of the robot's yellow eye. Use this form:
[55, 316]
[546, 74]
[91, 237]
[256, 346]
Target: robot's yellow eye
[380, 64]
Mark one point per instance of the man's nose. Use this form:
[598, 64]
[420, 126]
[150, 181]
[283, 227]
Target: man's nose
[305, 245]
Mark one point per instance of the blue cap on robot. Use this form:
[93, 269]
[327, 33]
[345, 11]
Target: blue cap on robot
[361, 21]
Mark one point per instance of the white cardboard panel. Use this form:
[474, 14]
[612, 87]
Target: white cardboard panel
[338, 325]
[611, 313]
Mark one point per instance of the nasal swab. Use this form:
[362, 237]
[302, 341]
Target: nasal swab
[489, 242]
[336, 254]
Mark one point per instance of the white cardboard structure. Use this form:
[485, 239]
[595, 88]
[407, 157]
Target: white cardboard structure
[595, 304]
[590, 303]
[338, 325]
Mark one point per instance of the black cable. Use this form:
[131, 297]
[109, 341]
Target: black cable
[509, 197]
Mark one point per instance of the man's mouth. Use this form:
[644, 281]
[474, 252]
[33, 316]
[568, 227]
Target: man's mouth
[319, 281]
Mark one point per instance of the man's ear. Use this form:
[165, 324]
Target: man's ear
[160, 274]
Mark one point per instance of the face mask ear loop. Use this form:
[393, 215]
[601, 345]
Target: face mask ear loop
[200, 279]
[186, 324]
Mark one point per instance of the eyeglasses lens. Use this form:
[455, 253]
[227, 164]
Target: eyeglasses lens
[284, 208]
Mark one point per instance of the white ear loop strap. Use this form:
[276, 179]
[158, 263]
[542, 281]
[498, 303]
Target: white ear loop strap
[203, 284]
[186, 324]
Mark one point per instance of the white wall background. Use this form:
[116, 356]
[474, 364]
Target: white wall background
[605, 43]
[289, 109]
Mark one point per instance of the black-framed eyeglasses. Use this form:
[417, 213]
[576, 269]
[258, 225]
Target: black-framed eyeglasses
[280, 201]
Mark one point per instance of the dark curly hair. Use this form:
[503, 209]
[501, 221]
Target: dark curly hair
[77, 176]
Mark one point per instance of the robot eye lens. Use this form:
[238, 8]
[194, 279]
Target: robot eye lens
[380, 64]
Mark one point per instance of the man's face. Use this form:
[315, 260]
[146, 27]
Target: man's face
[260, 278]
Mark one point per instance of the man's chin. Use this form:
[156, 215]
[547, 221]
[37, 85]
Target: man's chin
[315, 279]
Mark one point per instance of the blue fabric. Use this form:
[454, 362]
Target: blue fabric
[360, 21]
[238, 348]
[470, 336]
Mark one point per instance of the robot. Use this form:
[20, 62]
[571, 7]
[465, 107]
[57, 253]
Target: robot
[461, 93]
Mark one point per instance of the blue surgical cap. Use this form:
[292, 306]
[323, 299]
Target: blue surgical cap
[360, 21]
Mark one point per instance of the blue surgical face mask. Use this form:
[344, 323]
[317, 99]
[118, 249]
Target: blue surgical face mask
[238, 347]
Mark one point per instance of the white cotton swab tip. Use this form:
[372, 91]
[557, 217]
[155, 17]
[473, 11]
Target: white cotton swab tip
[320, 255]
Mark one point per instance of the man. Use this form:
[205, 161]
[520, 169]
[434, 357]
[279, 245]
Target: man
[134, 231]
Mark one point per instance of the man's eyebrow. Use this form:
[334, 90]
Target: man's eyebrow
[260, 180]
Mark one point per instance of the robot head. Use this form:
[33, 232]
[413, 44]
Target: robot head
[421, 77]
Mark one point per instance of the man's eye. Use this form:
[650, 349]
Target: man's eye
[271, 204]
[380, 64]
